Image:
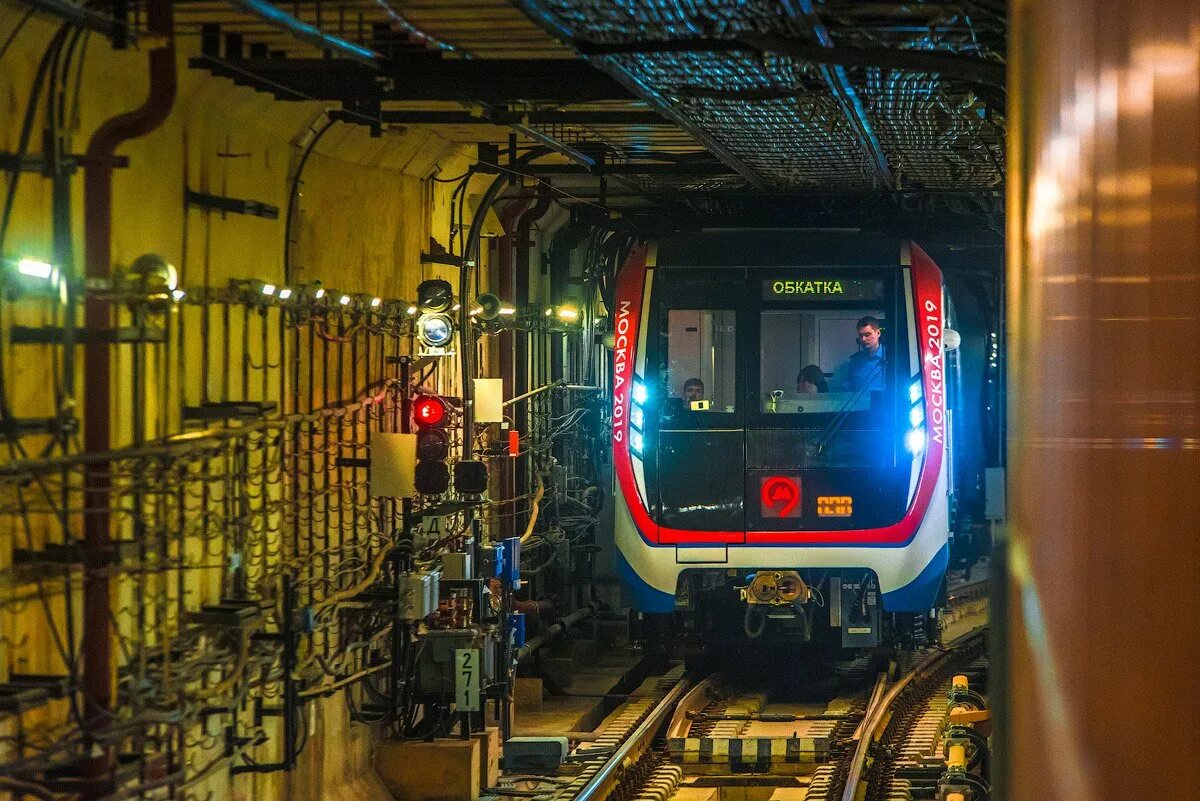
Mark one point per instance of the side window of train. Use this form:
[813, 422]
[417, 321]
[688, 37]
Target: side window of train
[699, 366]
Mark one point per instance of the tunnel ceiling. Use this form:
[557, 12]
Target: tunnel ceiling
[699, 109]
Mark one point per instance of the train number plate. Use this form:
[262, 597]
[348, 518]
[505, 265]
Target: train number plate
[835, 506]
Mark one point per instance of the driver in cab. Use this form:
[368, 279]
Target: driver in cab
[864, 370]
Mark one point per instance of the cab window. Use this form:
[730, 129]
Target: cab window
[700, 370]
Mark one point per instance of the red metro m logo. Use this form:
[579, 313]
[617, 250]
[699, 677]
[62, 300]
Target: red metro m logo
[780, 496]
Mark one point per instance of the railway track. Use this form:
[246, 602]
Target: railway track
[857, 737]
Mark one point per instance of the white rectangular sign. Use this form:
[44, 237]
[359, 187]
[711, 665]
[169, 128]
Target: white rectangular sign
[466, 679]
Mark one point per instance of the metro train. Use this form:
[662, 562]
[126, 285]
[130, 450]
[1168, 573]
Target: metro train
[763, 449]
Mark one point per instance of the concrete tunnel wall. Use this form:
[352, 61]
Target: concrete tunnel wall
[366, 212]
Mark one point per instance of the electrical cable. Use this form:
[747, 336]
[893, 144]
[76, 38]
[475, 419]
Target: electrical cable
[293, 198]
[12, 35]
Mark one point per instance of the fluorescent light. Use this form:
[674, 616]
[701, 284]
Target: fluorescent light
[268, 289]
[507, 310]
[320, 293]
[344, 300]
[456, 307]
[412, 309]
[568, 313]
[285, 293]
[35, 268]
[375, 302]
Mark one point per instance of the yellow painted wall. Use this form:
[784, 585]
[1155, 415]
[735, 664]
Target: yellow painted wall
[367, 211]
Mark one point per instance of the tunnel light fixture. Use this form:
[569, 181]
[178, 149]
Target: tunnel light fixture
[549, 312]
[456, 307]
[506, 310]
[412, 310]
[376, 303]
[568, 314]
[320, 293]
[35, 268]
[285, 293]
[345, 300]
[177, 295]
[268, 289]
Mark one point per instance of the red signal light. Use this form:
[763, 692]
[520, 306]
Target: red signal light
[429, 411]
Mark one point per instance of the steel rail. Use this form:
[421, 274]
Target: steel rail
[879, 711]
[695, 700]
[596, 786]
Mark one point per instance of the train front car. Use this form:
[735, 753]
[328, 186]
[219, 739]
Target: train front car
[780, 430]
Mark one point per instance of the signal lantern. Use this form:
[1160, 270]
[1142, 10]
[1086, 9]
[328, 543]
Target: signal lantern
[435, 295]
[429, 411]
[431, 414]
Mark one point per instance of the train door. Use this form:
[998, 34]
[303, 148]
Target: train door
[700, 449]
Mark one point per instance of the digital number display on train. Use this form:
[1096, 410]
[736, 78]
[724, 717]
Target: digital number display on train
[819, 288]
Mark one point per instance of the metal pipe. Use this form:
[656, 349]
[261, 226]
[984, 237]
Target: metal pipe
[276, 17]
[81, 16]
[470, 258]
[98, 677]
[563, 624]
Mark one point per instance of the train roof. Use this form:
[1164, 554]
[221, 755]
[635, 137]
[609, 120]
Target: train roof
[779, 248]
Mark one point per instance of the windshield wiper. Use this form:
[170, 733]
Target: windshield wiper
[843, 413]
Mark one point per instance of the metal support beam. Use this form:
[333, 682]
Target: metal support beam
[583, 119]
[659, 170]
[277, 17]
[421, 77]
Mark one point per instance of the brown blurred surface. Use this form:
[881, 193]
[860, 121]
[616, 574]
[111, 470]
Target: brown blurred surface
[1104, 372]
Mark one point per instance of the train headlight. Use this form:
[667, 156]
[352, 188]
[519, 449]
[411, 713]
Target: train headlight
[916, 416]
[435, 330]
[636, 442]
[640, 393]
[914, 441]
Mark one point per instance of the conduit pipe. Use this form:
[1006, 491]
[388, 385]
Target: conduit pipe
[298, 29]
[563, 624]
[98, 675]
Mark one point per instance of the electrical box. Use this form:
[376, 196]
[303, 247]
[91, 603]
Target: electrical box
[393, 465]
[418, 595]
[536, 755]
[854, 607]
[456, 566]
[489, 400]
[437, 666]
[509, 570]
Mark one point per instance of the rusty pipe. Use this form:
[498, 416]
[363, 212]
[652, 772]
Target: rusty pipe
[98, 673]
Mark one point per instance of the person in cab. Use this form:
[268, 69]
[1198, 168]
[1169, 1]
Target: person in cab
[863, 370]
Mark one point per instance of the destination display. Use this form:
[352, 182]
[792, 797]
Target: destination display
[822, 288]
